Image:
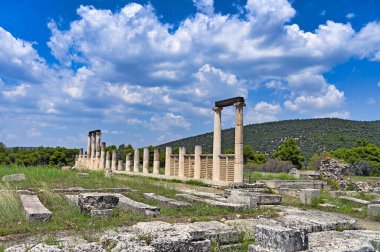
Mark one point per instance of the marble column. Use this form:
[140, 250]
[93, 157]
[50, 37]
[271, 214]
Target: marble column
[136, 160]
[156, 162]
[97, 149]
[217, 145]
[108, 164]
[80, 160]
[181, 162]
[114, 160]
[128, 162]
[239, 159]
[168, 153]
[146, 161]
[197, 161]
[102, 156]
[120, 165]
[93, 149]
[88, 154]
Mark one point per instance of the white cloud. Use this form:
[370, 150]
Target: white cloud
[167, 121]
[264, 112]
[18, 91]
[350, 15]
[33, 132]
[378, 84]
[205, 6]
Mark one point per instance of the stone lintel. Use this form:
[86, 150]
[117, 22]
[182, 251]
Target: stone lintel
[229, 102]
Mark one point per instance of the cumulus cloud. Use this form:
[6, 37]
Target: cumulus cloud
[350, 15]
[136, 70]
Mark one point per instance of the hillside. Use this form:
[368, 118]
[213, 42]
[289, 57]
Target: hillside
[314, 135]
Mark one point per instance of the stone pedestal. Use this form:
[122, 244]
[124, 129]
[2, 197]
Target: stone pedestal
[146, 161]
[114, 160]
[217, 145]
[181, 162]
[136, 160]
[307, 195]
[168, 153]
[374, 210]
[128, 162]
[156, 162]
[197, 161]
[239, 159]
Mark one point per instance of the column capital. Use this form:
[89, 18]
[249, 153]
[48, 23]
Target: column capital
[239, 104]
[217, 109]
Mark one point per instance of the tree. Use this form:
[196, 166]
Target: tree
[290, 151]
[250, 156]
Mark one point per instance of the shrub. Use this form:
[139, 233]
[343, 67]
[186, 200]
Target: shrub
[360, 168]
[276, 166]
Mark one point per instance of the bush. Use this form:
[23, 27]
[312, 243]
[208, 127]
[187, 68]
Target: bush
[272, 165]
[361, 168]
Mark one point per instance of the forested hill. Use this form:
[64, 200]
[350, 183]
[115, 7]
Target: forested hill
[314, 135]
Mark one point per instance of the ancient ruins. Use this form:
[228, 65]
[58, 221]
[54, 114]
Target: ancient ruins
[217, 168]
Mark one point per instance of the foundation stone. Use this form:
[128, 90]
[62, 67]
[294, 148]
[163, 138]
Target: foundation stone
[308, 195]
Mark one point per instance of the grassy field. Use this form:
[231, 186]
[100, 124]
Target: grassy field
[67, 217]
[251, 177]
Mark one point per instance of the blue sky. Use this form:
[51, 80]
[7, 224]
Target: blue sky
[147, 72]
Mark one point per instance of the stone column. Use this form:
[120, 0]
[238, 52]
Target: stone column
[181, 162]
[156, 162]
[168, 153]
[80, 160]
[136, 160]
[88, 154]
[102, 156]
[128, 162]
[114, 160]
[76, 160]
[108, 164]
[146, 161]
[217, 146]
[120, 165]
[97, 149]
[197, 161]
[93, 149]
[239, 159]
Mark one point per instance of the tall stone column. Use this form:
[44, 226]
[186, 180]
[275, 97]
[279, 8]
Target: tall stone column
[102, 156]
[120, 165]
[217, 145]
[197, 161]
[181, 162]
[93, 149]
[136, 160]
[239, 159]
[146, 161]
[128, 162]
[80, 157]
[97, 149]
[88, 154]
[108, 164]
[114, 158]
[168, 153]
[156, 162]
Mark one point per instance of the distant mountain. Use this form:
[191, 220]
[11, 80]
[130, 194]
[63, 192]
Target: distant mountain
[314, 135]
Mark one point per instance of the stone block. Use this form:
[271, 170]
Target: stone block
[308, 195]
[34, 209]
[219, 232]
[128, 203]
[102, 213]
[374, 210]
[83, 174]
[278, 238]
[172, 203]
[193, 198]
[252, 199]
[96, 201]
[355, 200]
[14, 177]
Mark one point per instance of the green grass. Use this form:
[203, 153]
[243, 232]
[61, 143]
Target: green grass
[67, 217]
[254, 176]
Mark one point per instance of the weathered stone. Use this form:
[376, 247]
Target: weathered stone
[355, 200]
[96, 201]
[219, 232]
[83, 175]
[353, 241]
[116, 242]
[102, 212]
[128, 203]
[167, 201]
[278, 238]
[66, 168]
[374, 210]
[252, 199]
[82, 190]
[332, 169]
[14, 177]
[308, 195]
[73, 199]
[34, 209]
[296, 184]
[327, 205]
[193, 198]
